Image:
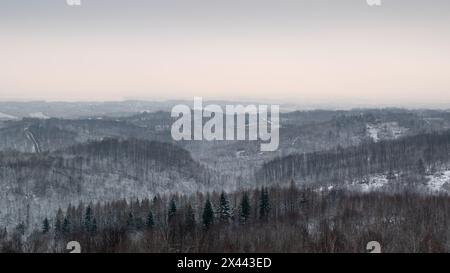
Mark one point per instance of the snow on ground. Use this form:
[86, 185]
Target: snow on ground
[372, 132]
[6, 116]
[386, 130]
[439, 181]
[324, 188]
[372, 183]
[39, 115]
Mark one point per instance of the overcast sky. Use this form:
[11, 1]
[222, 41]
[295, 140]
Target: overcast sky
[297, 51]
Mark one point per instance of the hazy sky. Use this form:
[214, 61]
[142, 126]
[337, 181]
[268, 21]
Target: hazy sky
[298, 51]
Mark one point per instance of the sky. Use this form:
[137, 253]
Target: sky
[295, 51]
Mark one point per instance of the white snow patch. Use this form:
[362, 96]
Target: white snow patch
[372, 183]
[39, 115]
[322, 188]
[385, 131]
[372, 132]
[438, 180]
[6, 116]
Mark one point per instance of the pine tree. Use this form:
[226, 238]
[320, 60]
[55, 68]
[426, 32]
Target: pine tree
[264, 205]
[172, 210]
[190, 218]
[292, 198]
[45, 226]
[208, 214]
[173, 224]
[224, 209]
[66, 225]
[150, 222]
[58, 221]
[245, 208]
[130, 221]
[88, 219]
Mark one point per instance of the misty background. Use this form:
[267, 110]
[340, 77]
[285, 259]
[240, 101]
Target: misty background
[334, 52]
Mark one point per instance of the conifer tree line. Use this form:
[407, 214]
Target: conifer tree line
[267, 219]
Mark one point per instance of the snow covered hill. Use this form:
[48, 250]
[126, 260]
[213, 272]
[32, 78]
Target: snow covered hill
[36, 185]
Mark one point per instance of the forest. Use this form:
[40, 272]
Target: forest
[267, 219]
[417, 154]
[339, 180]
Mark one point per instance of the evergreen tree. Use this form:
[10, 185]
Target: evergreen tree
[172, 221]
[45, 226]
[88, 219]
[172, 210]
[66, 225]
[224, 209]
[190, 218]
[245, 208]
[93, 230]
[58, 221]
[150, 222]
[292, 198]
[264, 205]
[208, 214]
[130, 221]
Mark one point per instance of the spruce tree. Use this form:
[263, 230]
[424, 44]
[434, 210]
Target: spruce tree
[224, 209]
[66, 225]
[190, 219]
[150, 222]
[208, 214]
[45, 226]
[245, 208]
[58, 221]
[264, 205]
[88, 219]
[172, 210]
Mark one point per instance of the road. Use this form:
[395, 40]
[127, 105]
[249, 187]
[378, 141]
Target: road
[31, 137]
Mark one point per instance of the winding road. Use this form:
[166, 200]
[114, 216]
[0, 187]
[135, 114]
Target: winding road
[31, 137]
